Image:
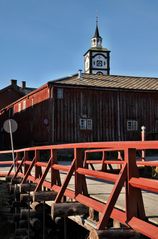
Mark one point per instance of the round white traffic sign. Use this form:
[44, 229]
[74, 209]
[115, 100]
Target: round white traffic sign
[10, 126]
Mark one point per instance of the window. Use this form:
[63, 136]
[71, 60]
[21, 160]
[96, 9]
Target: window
[89, 124]
[32, 102]
[24, 105]
[83, 123]
[60, 93]
[132, 125]
[105, 63]
[86, 124]
[19, 107]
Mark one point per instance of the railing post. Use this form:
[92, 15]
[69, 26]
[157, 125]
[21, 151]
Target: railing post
[104, 158]
[80, 182]
[85, 165]
[134, 200]
[55, 176]
[25, 157]
[119, 157]
[143, 128]
[38, 170]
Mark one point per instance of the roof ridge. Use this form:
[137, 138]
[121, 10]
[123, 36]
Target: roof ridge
[125, 76]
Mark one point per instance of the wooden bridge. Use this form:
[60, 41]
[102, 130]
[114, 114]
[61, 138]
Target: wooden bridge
[111, 188]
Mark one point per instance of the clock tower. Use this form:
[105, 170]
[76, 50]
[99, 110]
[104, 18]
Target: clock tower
[97, 58]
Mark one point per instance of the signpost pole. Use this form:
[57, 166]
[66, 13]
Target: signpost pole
[10, 126]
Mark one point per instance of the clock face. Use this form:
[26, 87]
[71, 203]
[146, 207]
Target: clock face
[99, 61]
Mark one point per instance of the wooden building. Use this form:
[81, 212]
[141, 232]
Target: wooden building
[89, 106]
[85, 107]
[13, 92]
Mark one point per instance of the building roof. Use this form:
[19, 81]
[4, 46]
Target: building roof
[111, 81]
[13, 92]
[102, 82]
[102, 49]
[21, 90]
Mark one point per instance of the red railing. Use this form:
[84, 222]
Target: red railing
[31, 167]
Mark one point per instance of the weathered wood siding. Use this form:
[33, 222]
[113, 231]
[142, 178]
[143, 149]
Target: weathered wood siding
[109, 111]
[140, 106]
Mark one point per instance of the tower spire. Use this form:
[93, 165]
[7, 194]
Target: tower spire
[96, 39]
[96, 34]
[96, 20]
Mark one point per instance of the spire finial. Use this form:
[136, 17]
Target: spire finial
[97, 21]
[96, 34]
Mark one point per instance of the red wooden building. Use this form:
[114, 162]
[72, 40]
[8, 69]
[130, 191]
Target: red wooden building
[84, 108]
[13, 92]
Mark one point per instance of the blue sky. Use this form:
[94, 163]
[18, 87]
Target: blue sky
[41, 40]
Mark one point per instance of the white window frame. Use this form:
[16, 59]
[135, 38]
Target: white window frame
[32, 102]
[60, 93]
[24, 105]
[132, 125]
[83, 124]
[89, 124]
[19, 107]
[86, 124]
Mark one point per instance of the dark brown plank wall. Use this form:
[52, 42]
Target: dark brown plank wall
[83, 103]
[109, 111]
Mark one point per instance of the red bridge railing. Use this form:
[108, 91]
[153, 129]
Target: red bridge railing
[31, 166]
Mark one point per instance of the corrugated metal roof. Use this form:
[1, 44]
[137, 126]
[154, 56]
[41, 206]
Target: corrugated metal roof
[111, 81]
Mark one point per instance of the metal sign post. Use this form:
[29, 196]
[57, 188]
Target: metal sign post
[10, 126]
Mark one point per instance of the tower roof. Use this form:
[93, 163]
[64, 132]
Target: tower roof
[96, 34]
